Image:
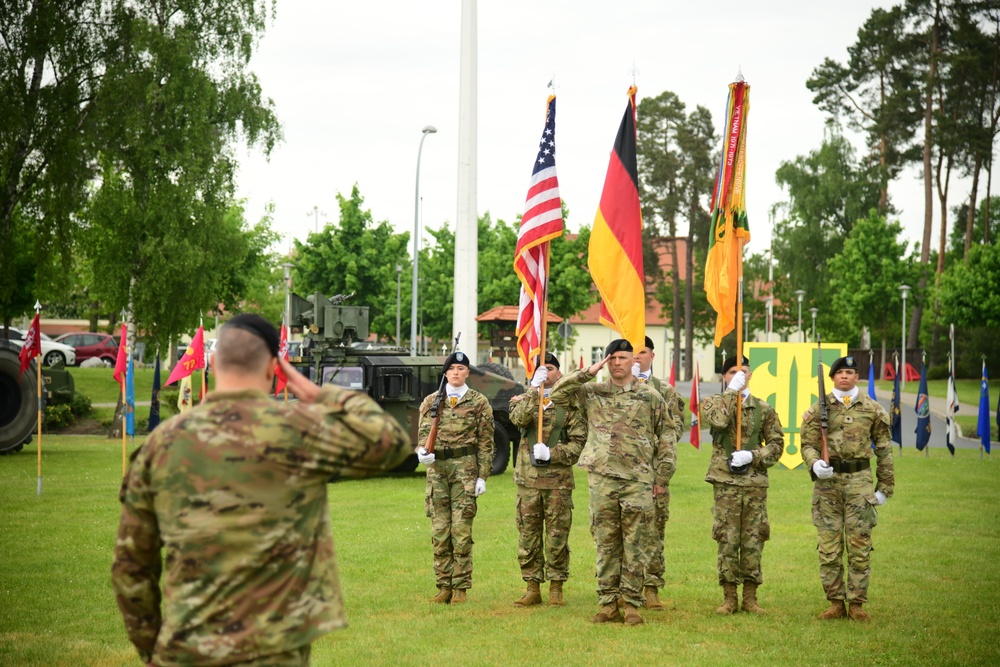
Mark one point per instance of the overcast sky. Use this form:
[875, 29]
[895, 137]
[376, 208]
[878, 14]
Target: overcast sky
[354, 84]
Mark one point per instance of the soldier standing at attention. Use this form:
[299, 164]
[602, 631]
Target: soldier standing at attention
[456, 476]
[630, 456]
[545, 491]
[234, 493]
[740, 483]
[642, 370]
[844, 500]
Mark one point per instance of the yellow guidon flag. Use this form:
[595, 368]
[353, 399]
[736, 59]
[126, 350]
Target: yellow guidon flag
[730, 230]
[614, 255]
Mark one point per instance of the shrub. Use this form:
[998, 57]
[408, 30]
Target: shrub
[80, 406]
[58, 417]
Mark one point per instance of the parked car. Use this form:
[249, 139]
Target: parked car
[89, 344]
[52, 352]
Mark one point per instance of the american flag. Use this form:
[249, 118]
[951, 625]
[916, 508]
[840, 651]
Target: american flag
[542, 221]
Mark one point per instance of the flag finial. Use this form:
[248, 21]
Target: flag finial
[739, 74]
[38, 306]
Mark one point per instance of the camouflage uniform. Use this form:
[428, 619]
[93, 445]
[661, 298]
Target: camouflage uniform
[843, 507]
[631, 445]
[234, 492]
[545, 494]
[465, 429]
[741, 526]
[661, 504]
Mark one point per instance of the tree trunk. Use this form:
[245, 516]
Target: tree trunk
[970, 217]
[675, 277]
[688, 311]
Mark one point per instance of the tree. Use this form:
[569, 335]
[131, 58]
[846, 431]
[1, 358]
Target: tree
[958, 245]
[968, 290]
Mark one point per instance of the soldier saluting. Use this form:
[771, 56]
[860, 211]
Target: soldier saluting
[844, 499]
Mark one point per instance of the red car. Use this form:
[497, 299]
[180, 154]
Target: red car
[88, 344]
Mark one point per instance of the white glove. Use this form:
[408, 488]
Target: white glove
[542, 452]
[880, 498]
[635, 369]
[739, 381]
[742, 458]
[424, 457]
[822, 469]
[540, 376]
[480, 486]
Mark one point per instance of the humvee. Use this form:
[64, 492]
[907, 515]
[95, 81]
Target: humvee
[19, 396]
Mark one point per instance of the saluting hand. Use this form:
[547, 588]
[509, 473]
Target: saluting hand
[593, 370]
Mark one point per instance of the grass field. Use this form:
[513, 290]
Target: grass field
[968, 390]
[935, 591]
[100, 386]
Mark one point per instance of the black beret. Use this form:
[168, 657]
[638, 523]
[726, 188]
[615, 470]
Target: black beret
[842, 363]
[459, 357]
[549, 359]
[618, 345]
[649, 342]
[259, 327]
[731, 362]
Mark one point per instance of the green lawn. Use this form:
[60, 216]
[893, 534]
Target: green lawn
[100, 386]
[934, 590]
[968, 390]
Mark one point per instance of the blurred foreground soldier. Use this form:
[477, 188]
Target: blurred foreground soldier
[642, 370]
[234, 492]
[630, 455]
[740, 482]
[844, 500]
[456, 476]
[545, 490]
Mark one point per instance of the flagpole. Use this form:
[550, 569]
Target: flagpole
[204, 371]
[38, 386]
[899, 408]
[739, 338]
[951, 378]
[923, 364]
[124, 404]
[541, 349]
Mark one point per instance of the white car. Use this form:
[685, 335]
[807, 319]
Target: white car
[52, 352]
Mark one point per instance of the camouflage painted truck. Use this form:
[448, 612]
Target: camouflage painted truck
[334, 350]
[19, 396]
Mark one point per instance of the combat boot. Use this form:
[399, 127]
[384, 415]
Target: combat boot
[443, 596]
[731, 602]
[555, 594]
[835, 610]
[459, 596]
[750, 598]
[632, 616]
[532, 596]
[608, 614]
[652, 596]
[856, 613]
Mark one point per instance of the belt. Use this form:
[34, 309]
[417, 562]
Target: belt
[850, 465]
[453, 452]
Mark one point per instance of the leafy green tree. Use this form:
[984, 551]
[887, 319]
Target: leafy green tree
[968, 293]
[958, 243]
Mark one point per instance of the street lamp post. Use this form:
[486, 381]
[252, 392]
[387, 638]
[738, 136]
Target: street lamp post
[430, 129]
[904, 289]
[746, 325]
[399, 271]
[799, 294]
[288, 302]
[814, 311]
[770, 317]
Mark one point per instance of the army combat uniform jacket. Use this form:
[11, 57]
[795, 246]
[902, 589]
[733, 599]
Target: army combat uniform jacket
[761, 435]
[565, 444]
[467, 424]
[675, 404]
[234, 492]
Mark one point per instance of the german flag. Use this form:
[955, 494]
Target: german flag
[615, 251]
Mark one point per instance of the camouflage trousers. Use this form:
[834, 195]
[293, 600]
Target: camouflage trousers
[621, 515]
[843, 511]
[451, 506]
[296, 658]
[548, 512]
[741, 528]
[656, 566]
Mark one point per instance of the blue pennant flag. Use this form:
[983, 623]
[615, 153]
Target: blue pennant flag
[923, 410]
[130, 398]
[154, 401]
[895, 413]
[983, 426]
[871, 382]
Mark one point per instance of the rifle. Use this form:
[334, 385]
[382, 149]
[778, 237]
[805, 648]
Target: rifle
[435, 411]
[824, 417]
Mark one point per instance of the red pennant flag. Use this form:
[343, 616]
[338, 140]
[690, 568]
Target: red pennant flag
[581, 361]
[673, 372]
[193, 359]
[695, 410]
[32, 345]
[282, 354]
[121, 363]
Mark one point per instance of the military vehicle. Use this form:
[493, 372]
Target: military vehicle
[19, 396]
[335, 350]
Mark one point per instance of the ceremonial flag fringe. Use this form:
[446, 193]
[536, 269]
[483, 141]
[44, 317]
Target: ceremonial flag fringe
[730, 229]
[695, 410]
[951, 432]
[923, 410]
[895, 412]
[32, 346]
[184, 394]
[542, 221]
[282, 354]
[121, 362]
[130, 398]
[154, 399]
[983, 424]
[614, 255]
[193, 359]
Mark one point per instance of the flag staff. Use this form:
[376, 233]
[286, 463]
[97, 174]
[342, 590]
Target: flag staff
[124, 343]
[541, 348]
[204, 356]
[38, 386]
